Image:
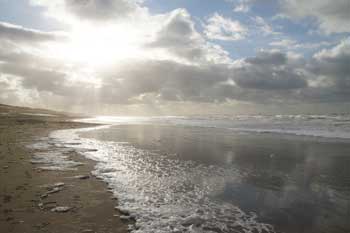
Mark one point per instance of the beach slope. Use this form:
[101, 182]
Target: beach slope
[38, 200]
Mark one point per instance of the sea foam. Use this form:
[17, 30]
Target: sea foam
[162, 193]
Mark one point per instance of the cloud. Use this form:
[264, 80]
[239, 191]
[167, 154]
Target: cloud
[290, 44]
[242, 6]
[15, 33]
[32, 75]
[90, 10]
[126, 82]
[221, 28]
[39, 79]
[191, 69]
[100, 10]
[264, 27]
[271, 76]
[178, 36]
[285, 43]
[334, 65]
[269, 70]
[168, 80]
[19, 57]
[8, 93]
[328, 76]
[331, 16]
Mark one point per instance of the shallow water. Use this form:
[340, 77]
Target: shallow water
[182, 177]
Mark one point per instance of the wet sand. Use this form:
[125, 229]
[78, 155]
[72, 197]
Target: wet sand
[24, 207]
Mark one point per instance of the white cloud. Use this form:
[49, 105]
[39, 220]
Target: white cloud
[178, 36]
[241, 8]
[290, 44]
[221, 28]
[264, 27]
[339, 51]
[285, 43]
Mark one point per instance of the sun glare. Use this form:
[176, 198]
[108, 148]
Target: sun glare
[96, 46]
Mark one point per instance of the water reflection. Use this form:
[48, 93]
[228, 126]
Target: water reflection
[298, 184]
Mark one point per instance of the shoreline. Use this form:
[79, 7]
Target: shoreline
[28, 196]
[251, 179]
[269, 176]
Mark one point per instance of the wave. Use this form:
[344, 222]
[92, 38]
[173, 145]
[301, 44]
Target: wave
[299, 132]
[326, 126]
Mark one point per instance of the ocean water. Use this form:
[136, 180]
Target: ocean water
[220, 174]
[327, 126]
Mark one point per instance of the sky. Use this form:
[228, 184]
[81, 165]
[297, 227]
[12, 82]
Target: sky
[178, 57]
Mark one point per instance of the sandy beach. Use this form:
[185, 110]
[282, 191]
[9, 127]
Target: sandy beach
[175, 175]
[192, 116]
[29, 195]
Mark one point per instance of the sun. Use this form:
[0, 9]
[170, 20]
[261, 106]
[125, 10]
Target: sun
[97, 46]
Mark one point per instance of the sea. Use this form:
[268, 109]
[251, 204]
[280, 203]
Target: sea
[246, 173]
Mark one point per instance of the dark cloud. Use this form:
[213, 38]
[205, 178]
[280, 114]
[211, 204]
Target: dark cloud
[35, 72]
[331, 73]
[169, 80]
[269, 71]
[268, 58]
[12, 54]
[36, 78]
[252, 81]
[334, 64]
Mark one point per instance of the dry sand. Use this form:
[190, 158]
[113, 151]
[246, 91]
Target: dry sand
[23, 209]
